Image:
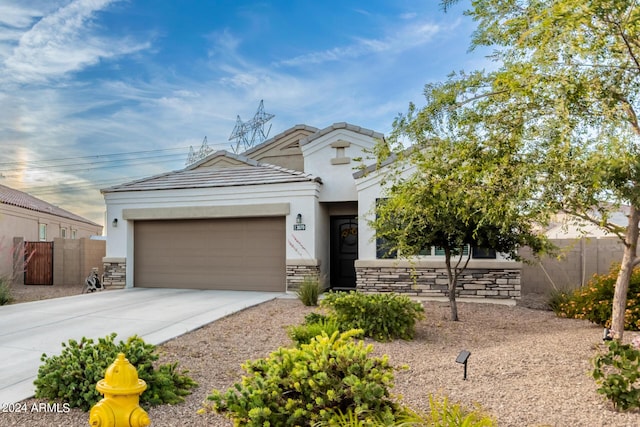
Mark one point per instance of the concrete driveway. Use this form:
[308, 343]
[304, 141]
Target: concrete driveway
[27, 330]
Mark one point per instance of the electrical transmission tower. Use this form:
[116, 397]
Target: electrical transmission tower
[203, 152]
[247, 134]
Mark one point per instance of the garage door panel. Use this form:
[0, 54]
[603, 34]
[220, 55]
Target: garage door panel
[241, 254]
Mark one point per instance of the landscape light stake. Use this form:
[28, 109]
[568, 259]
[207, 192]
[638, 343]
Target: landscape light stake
[462, 358]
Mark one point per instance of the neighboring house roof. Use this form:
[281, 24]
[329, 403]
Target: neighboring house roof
[10, 196]
[197, 176]
[565, 226]
[341, 125]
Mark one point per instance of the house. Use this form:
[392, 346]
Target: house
[263, 220]
[28, 218]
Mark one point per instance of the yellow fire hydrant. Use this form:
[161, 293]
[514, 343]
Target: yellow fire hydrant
[121, 389]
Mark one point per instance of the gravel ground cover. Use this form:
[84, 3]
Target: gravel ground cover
[527, 367]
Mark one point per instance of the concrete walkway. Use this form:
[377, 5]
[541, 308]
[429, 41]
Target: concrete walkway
[27, 330]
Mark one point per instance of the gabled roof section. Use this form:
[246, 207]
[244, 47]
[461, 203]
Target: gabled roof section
[10, 196]
[280, 136]
[223, 159]
[283, 149]
[210, 177]
[338, 126]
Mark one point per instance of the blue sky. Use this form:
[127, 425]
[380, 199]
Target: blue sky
[98, 92]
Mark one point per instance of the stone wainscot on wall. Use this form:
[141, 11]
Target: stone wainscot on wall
[481, 279]
[298, 269]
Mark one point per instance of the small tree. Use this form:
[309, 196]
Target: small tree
[566, 87]
[460, 193]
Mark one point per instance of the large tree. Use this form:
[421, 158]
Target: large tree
[454, 194]
[564, 95]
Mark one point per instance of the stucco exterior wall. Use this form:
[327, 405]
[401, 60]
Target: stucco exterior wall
[426, 275]
[330, 157]
[24, 223]
[300, 198]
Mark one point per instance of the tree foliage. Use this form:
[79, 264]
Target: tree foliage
[460, 193]
[562, 100]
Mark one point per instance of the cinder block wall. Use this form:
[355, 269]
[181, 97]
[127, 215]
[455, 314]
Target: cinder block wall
[579, 260]
[73, 260]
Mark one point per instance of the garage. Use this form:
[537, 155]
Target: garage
[221, 253]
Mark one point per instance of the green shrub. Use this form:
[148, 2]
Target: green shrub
[302, 334]
[594, 302]
[315, 317]
[310, 290]
[72, 376]
[310, 384]
[617, 372]
[556, 300]
[5, 292]
[443, 413]
[382, 317]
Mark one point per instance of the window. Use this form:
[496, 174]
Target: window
[63, 233]
[484, 253]
[73, 234]
[438, 251]
[42, 232]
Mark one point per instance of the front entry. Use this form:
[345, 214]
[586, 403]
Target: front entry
[344, 252]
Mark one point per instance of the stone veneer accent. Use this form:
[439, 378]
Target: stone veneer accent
[481, 279]
[115, 272]
[298, 269]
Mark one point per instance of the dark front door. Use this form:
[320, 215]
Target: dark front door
[344, 251]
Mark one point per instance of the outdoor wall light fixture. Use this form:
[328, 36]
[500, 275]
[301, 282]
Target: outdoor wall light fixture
[114, 223]
[299, 219]
[607, 335]
[462, 358]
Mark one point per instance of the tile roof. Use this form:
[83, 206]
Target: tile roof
[280, 136]
[341, 125]
[208, 177]
[10, 196]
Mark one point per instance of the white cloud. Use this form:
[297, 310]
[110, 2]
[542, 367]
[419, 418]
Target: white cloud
[18, 15]
[62, 42]
[394, 43]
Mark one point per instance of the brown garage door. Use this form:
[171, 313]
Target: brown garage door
[229, 253]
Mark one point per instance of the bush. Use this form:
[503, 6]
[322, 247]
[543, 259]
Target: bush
[302, 334]
[5, 292]
[617, 372]
[442, 413]
[556, 300]
[72, 376]
[311, 384]
[382, 317]
[310, 290]
[594, 302]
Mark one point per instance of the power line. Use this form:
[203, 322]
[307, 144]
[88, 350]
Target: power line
[84, 167]
[62, 165]
[94, 156]
[79, 186]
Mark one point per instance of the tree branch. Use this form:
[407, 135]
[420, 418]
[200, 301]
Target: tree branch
[617, 230]
[484, 95]
[628, 45]
[633, 118]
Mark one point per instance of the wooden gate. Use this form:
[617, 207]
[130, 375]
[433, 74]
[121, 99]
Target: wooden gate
[39, 267]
